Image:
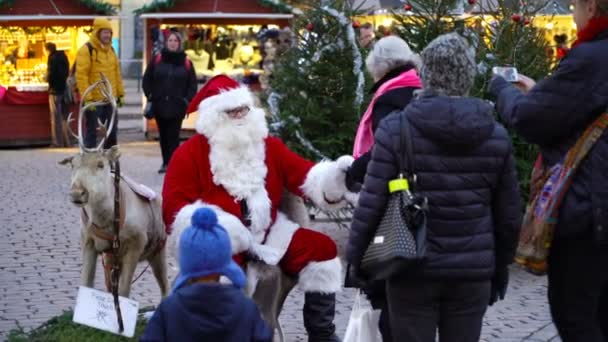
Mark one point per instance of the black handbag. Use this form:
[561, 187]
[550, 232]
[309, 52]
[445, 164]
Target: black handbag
[400, 240]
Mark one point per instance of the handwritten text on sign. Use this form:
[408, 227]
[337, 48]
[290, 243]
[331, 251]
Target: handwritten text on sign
[95, 309]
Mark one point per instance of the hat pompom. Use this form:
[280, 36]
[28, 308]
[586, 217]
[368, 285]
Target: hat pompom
[204, 218]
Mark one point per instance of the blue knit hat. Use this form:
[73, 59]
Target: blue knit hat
[204, 249]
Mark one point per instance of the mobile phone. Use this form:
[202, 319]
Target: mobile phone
[508, 73]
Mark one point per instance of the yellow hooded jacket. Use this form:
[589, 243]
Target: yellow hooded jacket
[102, 59]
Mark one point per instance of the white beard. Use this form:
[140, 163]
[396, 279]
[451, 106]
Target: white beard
[237, 155]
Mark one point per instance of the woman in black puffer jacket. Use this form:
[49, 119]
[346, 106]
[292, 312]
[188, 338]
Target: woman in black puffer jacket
[169, 83]
[465, 167]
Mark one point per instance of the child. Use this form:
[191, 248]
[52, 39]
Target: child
[200, 308]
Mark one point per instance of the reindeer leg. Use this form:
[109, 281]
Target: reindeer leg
[158, 262]
[89, 263]
[127, 269]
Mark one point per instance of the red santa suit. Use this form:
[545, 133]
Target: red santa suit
[231, 161]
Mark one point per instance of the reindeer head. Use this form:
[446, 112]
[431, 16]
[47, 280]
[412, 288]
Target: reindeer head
[91, 178]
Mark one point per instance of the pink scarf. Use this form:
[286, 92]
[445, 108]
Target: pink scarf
[365, 136]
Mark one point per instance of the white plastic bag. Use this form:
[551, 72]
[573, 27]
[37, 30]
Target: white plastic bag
[363, 323]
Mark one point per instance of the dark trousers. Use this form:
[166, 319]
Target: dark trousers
[168, 130]
[578, 290]
[420, 308]
[376, 293]
[59, 115]
[103, 113]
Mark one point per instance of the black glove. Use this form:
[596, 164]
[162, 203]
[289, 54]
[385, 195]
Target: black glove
[354, 278]
[500, 282]
[351, 183]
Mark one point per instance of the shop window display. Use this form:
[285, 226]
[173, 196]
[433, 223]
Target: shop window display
[22, 55]
[219, 49]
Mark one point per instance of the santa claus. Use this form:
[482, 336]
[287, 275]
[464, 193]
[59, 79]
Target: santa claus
[235, 168]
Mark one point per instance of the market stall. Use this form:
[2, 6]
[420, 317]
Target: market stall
[220, 37]
[25, 26]
[553, 19]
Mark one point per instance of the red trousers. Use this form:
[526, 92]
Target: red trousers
[306, 245]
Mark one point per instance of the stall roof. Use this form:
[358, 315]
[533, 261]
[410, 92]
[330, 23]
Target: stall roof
[216, 15]
[51, 17]
[52, 7]
[208, 6]
[50, 12]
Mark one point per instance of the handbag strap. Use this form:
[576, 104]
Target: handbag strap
[407, 167]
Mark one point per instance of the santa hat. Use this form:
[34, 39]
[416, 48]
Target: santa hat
[212, 88]
[221, 93]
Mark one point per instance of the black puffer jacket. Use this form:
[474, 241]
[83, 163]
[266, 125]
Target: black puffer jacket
[553, 115]
[58, 68]
[392, 100]
[170, 84]
[465, 167]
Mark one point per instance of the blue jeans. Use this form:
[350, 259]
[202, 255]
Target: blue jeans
[102, 113]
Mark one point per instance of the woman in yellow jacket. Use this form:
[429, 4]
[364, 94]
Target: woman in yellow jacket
[94, 58]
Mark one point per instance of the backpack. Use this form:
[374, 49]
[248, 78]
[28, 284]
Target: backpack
[72, 95]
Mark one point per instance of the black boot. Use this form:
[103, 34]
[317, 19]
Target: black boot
[319, 311]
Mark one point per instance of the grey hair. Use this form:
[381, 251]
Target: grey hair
[448, 66]
[389, 53]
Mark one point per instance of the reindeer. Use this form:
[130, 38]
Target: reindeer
[142, 232]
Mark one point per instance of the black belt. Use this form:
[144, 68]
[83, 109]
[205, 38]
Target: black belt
[245, 215]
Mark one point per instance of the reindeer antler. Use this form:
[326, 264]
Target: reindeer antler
[105, 88]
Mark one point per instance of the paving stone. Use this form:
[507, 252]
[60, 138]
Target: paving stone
[40, 253]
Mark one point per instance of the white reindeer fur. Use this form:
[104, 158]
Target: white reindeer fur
[138, 228]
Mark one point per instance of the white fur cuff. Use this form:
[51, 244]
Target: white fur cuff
[325, 183]
[323, 277]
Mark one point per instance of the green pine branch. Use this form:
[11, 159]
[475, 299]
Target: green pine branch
[318, 109]
[6, 3]
[155, 6]
[99, 7]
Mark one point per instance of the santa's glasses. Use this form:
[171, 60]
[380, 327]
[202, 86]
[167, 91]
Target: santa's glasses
[238, 112]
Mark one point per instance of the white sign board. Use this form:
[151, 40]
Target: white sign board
[95, 309]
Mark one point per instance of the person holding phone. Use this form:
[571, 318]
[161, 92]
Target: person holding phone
[553, 114]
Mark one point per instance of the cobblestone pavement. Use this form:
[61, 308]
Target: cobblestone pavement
[40, 254]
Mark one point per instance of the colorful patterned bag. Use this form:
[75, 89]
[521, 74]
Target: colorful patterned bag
[548, 186]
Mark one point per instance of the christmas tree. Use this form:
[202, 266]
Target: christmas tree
[502, 36]
[317, 86]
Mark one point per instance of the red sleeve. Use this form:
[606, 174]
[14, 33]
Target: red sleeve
[294, 168]
[182, 184]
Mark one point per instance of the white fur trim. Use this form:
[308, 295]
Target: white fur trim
[281, 233]
[210, 109]
[324, 276]
[240, 237]
[259, 210]
[327, 179]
